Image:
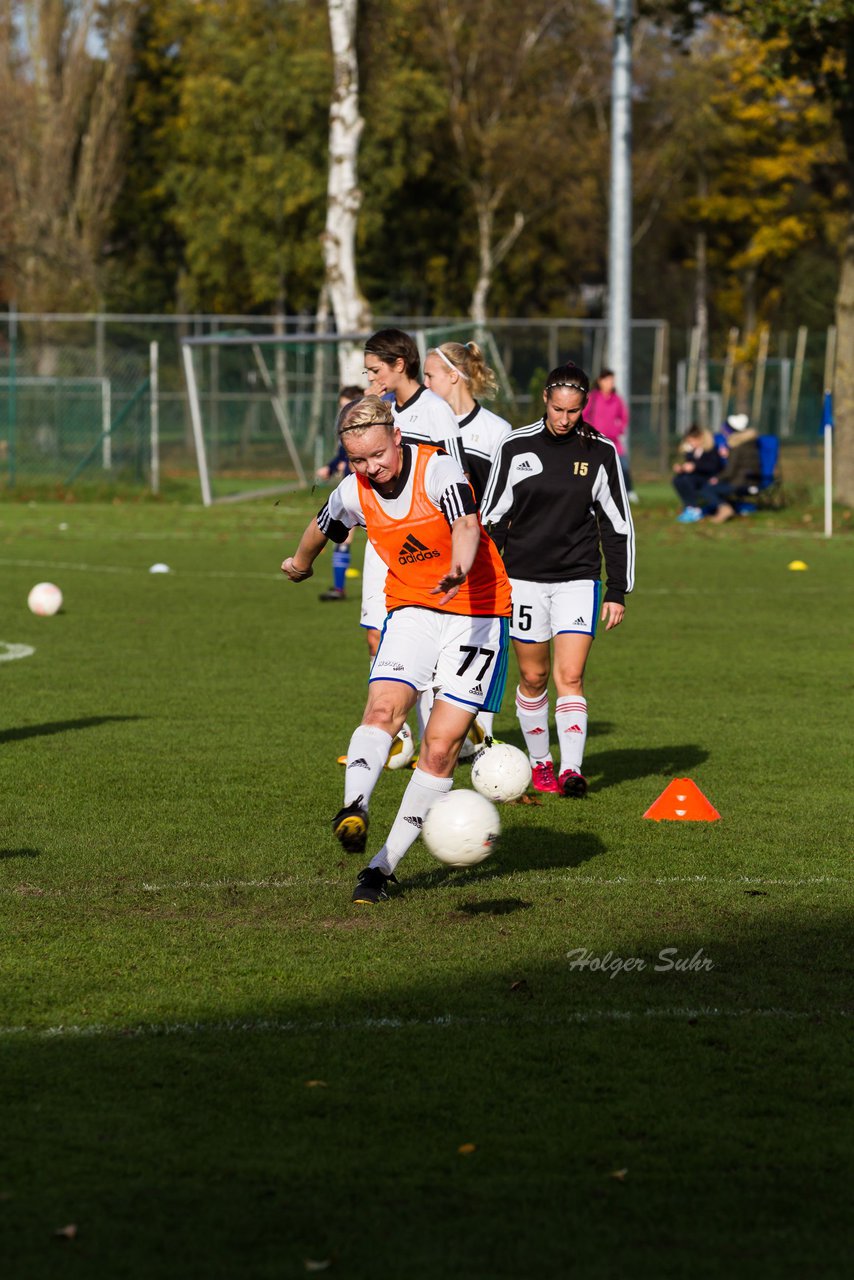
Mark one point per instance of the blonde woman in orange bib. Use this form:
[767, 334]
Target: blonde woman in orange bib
[448, 602]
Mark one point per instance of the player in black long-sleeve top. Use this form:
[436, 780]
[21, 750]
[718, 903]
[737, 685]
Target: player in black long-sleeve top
[556, 503]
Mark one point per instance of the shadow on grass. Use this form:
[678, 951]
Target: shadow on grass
[495, 907]
[20, 853]
[518, 850]
[59, 726]
[530, 1111]
[609, 768]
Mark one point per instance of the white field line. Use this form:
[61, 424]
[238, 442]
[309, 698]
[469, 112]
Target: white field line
[10, 652]
[241, 1026]
[29, 889]
[75, 567]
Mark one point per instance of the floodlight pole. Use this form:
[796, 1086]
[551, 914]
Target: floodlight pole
[620, 224]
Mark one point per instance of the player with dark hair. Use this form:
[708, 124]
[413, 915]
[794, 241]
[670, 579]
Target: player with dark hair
[556, 503]
[448, 603]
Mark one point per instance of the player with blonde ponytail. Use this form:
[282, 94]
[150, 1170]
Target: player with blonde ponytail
[458, 373]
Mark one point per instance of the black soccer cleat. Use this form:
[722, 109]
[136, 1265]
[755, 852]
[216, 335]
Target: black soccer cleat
[372, 886]
[572, 783]
[350, 827]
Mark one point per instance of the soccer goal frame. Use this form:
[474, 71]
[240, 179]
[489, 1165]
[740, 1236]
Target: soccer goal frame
[287, 383]
[324, 382]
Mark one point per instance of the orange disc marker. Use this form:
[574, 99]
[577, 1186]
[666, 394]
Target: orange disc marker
[682, 801]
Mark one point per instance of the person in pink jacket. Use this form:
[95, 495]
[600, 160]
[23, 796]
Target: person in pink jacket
[607, 412]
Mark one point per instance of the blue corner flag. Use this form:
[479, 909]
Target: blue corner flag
[827, 415]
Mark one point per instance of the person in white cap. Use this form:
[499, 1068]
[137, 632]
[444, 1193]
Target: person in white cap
[742, 467]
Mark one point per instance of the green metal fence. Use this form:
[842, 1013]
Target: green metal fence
[75, 403]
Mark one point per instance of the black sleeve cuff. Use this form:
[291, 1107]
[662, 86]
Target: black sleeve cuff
[613, 596]
[335, 531]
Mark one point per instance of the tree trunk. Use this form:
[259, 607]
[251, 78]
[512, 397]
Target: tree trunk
[490, 256]
[64, 87]
[350, 308]
[843, 398]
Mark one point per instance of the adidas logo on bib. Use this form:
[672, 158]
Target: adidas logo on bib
[413, 550]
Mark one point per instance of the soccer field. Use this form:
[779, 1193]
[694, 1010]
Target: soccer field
[213, 1065]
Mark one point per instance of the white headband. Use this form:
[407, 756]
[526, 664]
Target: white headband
[450, 363]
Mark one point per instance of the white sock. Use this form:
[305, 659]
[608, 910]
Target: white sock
[366, 757]
[423, 707]
[533, 716]
[486, 719]
[571, 724]
[417, 802]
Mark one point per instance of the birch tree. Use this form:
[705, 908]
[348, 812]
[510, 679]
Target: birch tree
[344, 197]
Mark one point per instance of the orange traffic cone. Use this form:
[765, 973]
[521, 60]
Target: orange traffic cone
[682, 801]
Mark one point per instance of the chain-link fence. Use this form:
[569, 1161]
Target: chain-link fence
[76, 404]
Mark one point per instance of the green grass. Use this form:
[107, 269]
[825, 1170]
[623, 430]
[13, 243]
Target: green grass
[180, 959]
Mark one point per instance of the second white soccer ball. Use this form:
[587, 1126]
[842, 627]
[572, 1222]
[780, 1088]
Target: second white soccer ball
[45, 599]
[461, 828]
[501, 772]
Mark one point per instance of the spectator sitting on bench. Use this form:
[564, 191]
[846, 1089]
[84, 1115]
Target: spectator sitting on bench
[701, 460]
[742, 468]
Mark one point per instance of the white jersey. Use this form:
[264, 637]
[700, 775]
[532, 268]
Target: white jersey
[426, 418]
[444, 484]
[483, 432]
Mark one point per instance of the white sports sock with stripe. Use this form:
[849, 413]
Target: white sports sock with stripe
[533, 717]
[571, 725]
[366, 757]
[418, 799]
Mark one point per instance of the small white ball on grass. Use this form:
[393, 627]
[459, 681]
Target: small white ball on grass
[160, 568]
[45, 599]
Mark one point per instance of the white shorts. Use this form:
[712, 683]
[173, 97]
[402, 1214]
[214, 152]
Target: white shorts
[543, 610]
[374, 572]
[463, 659]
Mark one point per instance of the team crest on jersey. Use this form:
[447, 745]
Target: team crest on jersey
[413, 550]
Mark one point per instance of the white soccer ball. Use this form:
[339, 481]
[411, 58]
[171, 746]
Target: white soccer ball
[461, 828]
[402, 749]
[45, 599]
[501, 772]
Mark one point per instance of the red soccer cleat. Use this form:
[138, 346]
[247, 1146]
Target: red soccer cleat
[572, 783]
[543, 776]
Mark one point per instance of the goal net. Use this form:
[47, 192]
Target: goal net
[263, 408]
